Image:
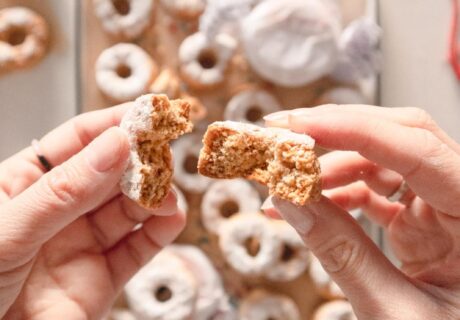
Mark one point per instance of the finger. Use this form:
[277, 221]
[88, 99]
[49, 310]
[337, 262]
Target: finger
[423, 160]
[365, 275]
[133, 252]
[339, 168]
[68, 191]
[117, 218]
[358, 195]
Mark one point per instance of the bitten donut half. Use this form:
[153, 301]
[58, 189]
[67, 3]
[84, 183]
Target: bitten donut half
[282, 160]
[151, 123]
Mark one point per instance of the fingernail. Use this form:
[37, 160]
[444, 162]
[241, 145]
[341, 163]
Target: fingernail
[268, 204]
[277, 119]
[105, 152]
[301, 218]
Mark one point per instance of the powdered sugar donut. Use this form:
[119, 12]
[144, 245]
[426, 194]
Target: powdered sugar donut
[294, 257]
[166, 83]
[186, 151]
[203, 62]
[124, 72]
[187, 9]
[335, 310]
[164, 289]
[250, 106]
[291, 43]
[249, 243]
[325, 286]
[342, 95]
[126, 19]
[24, 37]
[264, 305]
[225, 198]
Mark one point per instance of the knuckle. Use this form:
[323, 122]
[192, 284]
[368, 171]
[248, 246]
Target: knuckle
[423, 118]
[60, 186]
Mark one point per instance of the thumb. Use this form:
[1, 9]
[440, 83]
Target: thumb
[69, 190]
[368, 279]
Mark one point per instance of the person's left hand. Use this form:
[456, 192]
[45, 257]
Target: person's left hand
[67, 238]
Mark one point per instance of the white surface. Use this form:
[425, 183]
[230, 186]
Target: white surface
[35, 100]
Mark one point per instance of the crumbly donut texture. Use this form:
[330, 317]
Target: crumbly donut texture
[261, 304]
[282, 160]
[335, 310]
[151, 123]
[24, 37]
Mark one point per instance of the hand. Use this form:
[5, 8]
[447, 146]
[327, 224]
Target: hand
[67, 244]
[379, 148]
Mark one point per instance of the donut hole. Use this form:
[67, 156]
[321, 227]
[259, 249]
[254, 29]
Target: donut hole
[123, 7]
[252, 246]
[207, 59]
[229, 208]
[16, 36]
[191, 164]
[254, 113]
[163, 294]
[123, 71]
[288, 253]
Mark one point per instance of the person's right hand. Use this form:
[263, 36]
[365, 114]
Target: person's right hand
[379, 148]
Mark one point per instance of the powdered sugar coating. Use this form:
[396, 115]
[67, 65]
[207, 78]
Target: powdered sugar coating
[264, 305]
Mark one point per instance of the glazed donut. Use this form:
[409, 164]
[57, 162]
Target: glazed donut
[24, 37]
[125, 19]
[294, 257]
[164, 289]
[325, 286]
[264, 305]
[225, 198]
[187, 9]
[186, 151]
[124, 72]
[251, 106]
[203, 62]
[342, 95]
[249, 243]
[335, 310]
[291, 43]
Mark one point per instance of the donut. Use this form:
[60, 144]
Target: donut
[121, 314]
[124, 19]
[325, 286]
[186, 9]
[124, 71]
[186, 152]
[342, 95]
[291, 43]
[164, 289]
[166, 83]
[278, 158]
[151, 123]
[225, 198]
[197, 109]
[264, 305]
[211, 296]
[335, 310]
[24, 38]
[203, 62]
[251, 106]
[249, 244]
[294, 257]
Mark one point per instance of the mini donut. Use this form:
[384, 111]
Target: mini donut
[335, 310]
[325, 286]
[294, 257]
[342, 95]
[264, 305]
[225, 198]
[186, 9]
[24, 38]
[124, 72]
[186, 151]
[291, 43]
[251, 106]
[197, 109]
[182, 203]
[203, 62]
[164, 289]
[249, 244]
[124, 19]
[166, 83]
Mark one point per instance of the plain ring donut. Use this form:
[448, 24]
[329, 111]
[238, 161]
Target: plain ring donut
[203, 62]
[335, 310]
[24, 38]
[225, 198]
[251, 106]
[265, 305]
[249, 243]
[125, 19]
[124, 72]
